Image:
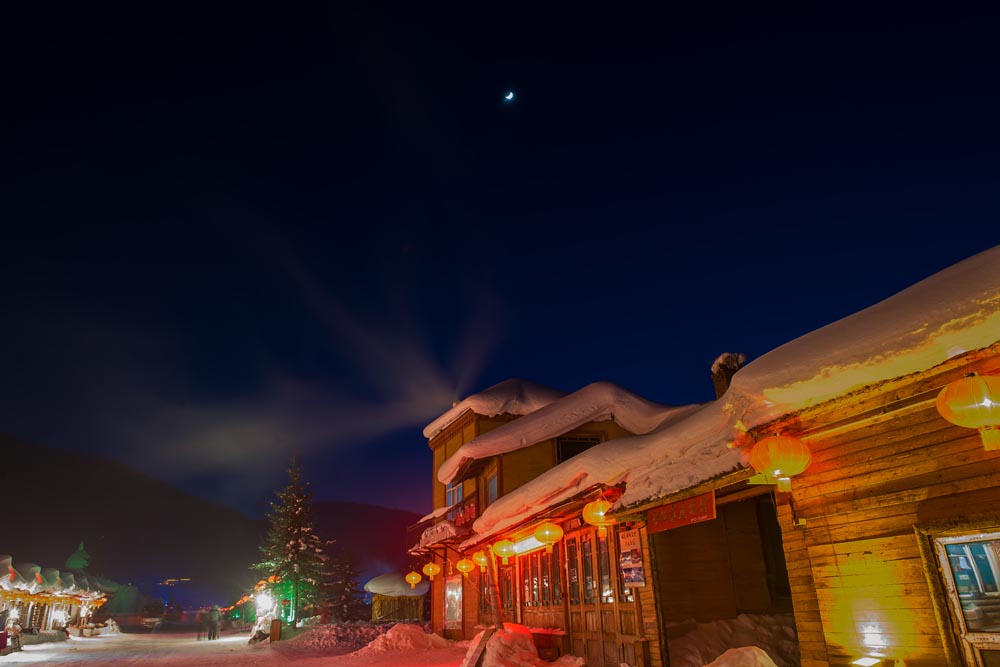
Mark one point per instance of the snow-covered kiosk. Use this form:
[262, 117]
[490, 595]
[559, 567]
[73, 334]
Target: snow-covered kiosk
[43, 598]
[393, 599]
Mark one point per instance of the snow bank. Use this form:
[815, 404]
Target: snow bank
[514, 647]
[513, 396]
[693, 644]
[346, 636]
[596, 402]
[403, 637]
[952, 312]
[749, 656]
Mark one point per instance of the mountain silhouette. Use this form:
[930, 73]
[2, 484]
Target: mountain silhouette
[140, 530]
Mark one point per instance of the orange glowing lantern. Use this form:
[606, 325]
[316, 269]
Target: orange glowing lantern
[594, 514]
[431, 569]
[548, 534]
[504, 549]
[780, 457]
[413, 579]
[465, 566]
[480, 558]
[974, 402]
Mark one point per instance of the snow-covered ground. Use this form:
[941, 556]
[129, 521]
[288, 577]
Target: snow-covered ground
[694, 644]
[346, 645]
[184, 650]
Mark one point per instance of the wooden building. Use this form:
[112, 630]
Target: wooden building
[892, 535]
[886, 547]
[571, 594]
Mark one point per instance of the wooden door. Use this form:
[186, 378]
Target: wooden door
[603, 616]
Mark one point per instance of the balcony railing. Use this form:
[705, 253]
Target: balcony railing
[461, 515]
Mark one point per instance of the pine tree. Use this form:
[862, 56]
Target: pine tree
[346, 600]
[292, 550]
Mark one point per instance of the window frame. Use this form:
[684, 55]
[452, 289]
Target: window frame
[956, 637]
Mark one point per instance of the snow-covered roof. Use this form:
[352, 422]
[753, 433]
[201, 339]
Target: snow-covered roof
[513, 396]
[595, 402]
[952, 312]
[394, 584]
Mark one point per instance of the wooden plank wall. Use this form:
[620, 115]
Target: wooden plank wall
[859, 583]
[808, 625]
[646, 599]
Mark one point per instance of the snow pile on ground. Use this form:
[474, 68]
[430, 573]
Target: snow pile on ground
[43, 637]
[748, 656]
[694, 644]
[404, 637]
[514, 647]
[346, 636]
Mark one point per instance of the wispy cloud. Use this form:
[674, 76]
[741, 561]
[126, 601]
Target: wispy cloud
[138, 394]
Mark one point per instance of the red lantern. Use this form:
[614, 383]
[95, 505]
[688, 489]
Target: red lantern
[594, 514]
[465, 566]
[504, 549]
[780, 457]
[548, 534]
[432, 569]
[974, 402]
[413, 579]
[480, 558]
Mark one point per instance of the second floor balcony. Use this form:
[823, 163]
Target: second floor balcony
[446, 525]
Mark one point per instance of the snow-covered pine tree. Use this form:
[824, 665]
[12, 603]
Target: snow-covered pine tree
[346, 597]
[292, 550]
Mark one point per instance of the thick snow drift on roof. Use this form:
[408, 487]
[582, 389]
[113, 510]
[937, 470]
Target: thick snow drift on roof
[395, 585]
[595, 402]
[952, 312]
[513, 396]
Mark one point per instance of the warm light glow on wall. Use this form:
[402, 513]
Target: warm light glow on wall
[865, 601]
[974, 402]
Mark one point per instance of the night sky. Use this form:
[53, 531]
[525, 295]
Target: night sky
[234, 232]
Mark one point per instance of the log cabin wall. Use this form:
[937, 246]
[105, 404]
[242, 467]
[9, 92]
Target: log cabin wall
[885, 465]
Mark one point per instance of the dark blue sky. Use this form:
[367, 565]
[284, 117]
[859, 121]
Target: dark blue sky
[232, 232]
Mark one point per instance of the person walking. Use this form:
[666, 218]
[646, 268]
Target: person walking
[214, 619]
[202, 622]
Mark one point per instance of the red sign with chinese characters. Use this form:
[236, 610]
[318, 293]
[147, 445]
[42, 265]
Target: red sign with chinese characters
[681, 513]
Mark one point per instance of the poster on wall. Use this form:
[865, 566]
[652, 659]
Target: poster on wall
[631, 559]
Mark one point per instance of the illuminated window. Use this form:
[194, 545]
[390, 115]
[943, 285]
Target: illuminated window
[541, 580]
[453, 603]
[574, 572]
[970, 566]
[589, 583]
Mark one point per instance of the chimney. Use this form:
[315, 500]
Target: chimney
[723, 370]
